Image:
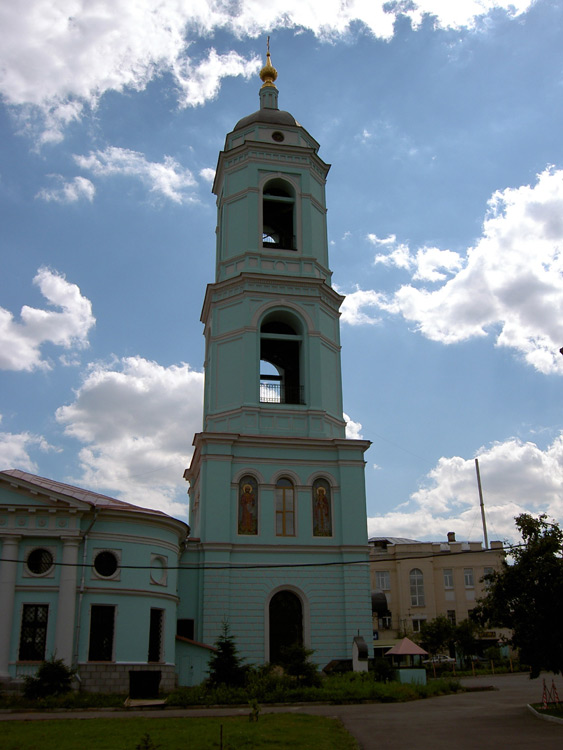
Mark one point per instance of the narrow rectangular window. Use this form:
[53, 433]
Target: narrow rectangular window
[416, 581]
[285, 508]
[102, 626]
[155, 635]
[448, 578]
[468, 577]
[382, 580]
[451, 616]
[33, 635]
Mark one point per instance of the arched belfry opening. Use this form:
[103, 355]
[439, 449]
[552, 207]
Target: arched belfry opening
[280, 360]
[278, 215]
[286, 624]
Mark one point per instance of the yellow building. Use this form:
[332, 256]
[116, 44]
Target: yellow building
[413, 582]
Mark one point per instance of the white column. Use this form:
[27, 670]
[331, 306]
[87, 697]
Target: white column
[66, 608]
[8, 571]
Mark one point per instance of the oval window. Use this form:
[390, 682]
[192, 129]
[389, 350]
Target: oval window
[105, 564]
[277, 136]
[39, 561]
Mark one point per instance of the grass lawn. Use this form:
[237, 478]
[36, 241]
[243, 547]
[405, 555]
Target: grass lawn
[271, 731]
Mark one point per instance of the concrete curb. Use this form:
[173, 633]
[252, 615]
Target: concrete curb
[544, 717]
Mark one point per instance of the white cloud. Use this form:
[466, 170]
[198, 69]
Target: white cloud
[202, 82]
[20, 343]
[207, 174]
[56, 58]
[136, 420]
[517, 477]
[167, 178]
[353, 429]
[429, 259]
[510, 284]
[397, 257]
[461, 13]
[424, 264]
[69, 192]
[353, 310]
[15, 450]
[382, 242]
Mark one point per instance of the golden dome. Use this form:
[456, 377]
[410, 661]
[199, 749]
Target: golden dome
[268, 74]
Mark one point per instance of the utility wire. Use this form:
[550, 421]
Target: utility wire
[269, 566]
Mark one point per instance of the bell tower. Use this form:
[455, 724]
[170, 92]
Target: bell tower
[277, 493]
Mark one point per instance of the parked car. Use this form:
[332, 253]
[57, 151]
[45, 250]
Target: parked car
[439, 659]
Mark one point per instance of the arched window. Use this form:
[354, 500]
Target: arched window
[322, 511]
[286, 624]
[416, 582]
[280, 360]
[285, 507]
[278, 215]
[248, 506]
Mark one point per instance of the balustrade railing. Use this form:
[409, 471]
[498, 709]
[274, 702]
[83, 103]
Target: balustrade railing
[278, 393]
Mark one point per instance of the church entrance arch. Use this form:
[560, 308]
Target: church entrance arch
[286, 623]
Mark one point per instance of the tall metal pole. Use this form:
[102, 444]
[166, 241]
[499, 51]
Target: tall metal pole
[482, 504]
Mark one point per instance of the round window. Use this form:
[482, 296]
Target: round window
[39, 561]
[277, 136]
[105, 564]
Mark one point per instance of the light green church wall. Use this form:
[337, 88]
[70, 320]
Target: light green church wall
[230, 317]
[189, 583]
[236, 180]
[132, 623]
[329, 381]
[238, 229]
[228, 378]
[328, 325]
[334, 602]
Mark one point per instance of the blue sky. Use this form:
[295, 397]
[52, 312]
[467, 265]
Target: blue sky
[442, 122]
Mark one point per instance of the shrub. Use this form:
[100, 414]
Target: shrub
[382, 670]
[295, 662]
[146, 743]
[53, 678]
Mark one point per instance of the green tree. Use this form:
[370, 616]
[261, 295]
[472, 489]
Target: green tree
[225, 665]
[526, 595]
[437, 635]
[465, 638]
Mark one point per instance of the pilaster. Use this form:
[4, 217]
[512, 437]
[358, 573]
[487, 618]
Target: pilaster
[64, 633]
[8, 573]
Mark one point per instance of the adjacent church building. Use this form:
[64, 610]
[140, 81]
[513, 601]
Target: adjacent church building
[277, 540]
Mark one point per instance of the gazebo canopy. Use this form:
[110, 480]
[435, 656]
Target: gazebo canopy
[406, 648]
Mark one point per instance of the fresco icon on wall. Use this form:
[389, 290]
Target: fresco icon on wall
[322, 518]
[248, 506]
